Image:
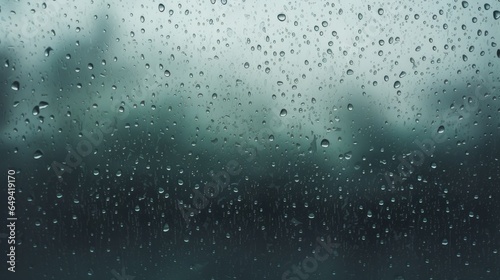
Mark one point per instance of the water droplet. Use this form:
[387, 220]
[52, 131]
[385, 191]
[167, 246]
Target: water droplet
[311, 216]
[498, 53]
[496, 14]
[402, 74]
[441, 129]
[281, 17]
[43, 104]
[350, 72]
[380, 11]
[325, 143]
[445, 242]
[35, 111]
[96, 171]
[397, 84]
[47, 51]
[433, 165]
[161, 190]
[38, 154]
[350, 107]
[369, 214]
[283, 112]
[137, 208]
[465, 4]
[161, 8]
[324, 24]
[166, 227]
[118, 173]
[246, 65]
[15, 85]
[167, 73]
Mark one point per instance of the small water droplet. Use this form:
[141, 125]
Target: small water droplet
[161, 8]
[281, 17]
[350, 107]
[38, 154]
[166, 228]
[137, 208]
[311, 216]
[325, 143]
[283, 112]
[350, 72]
[496, 14]
[402, 74]
[246, 65]
[167, 73]
[445, 242]
[498, 53]
[369, 214]
[380, 11]
[440, 129]
[397, 84]
[15, 85]
[465, 4]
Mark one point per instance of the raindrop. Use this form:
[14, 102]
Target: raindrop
[496, 14]
[38, 154]
[36, 111]
[465, 4]
[246, 65]
[166, 228]
[311, 216]
[283, 112]
[445, 242]
[47, 51]
[397, 84]
[167, 73]
[369, 214]
[161, 190]
[324, 24]
[498, 53]
[15, 85]
[380, 11]
[161, 8]
[137, 208]
[96, 171]
[43, 104]
[350, 72]
[325, 143]
[402, 74]
[350, 107]
[118, 173]
[433, 165]
[281, 17]
[441, 129]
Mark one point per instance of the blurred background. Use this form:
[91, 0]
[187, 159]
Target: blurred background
[252, 140]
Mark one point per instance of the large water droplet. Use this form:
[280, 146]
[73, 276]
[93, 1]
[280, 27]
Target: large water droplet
[283, 112]
[43, 104]
[47, 51]
[35, 111]
[496, 14]
[281, 17]
[325, 143]
[38, 154]
[441, 129]
[161, 8]
[15, 85]
[166, 228]
[397, 84]
[167, 73]
[465, 4]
